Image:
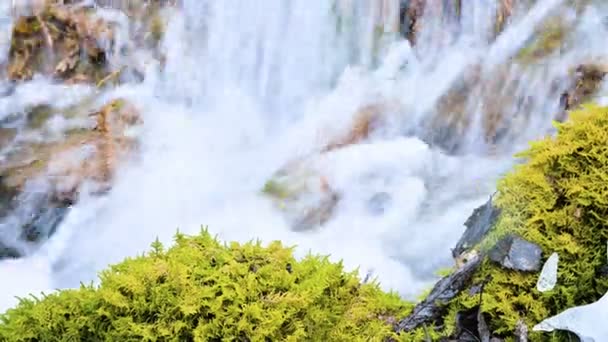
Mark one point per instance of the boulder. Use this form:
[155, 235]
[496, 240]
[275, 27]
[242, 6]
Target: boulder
[302, 195]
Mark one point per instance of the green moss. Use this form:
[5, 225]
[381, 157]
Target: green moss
[201, 290]
[548, 40]
[558, 199]
[276, 189]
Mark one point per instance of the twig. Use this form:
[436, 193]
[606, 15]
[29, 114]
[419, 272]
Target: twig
[47, 33]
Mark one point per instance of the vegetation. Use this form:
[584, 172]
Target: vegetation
[201, 290]
[558, 200]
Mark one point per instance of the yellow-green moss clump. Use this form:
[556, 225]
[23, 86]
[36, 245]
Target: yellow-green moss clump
[558, 200]
[201, 290]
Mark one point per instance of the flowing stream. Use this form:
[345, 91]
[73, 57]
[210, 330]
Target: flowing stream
[249, 86]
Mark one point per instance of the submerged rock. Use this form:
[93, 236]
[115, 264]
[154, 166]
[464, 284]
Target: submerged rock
[302, 195]
[516, 253]
[302, 192]
[379, 202]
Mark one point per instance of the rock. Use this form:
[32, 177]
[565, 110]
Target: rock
[45, 222]
[516, 253]
[7, 89]
[587, 80]
[6, 136]
[378, 203]
[549, 38]
[8, 252]
[548, 275]
[38, 115]
[603, 271]
[365, 120]
[7, 194]
[446, 289]
[478, 225]
[40, 181]
[60, 41]
[521, 331]
[302, 195]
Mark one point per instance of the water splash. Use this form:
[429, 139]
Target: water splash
[249, 86]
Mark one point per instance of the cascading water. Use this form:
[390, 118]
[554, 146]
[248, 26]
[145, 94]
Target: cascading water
[250, 86]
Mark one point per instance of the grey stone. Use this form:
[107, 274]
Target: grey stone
[7, 252]
[603, 271]
[515, 253]
[378, 203]
[478, 225]
[521, 331]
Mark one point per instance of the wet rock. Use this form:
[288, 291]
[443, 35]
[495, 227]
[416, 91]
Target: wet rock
[516, 253]
[549, 38]
[478, 225]
[8, 252]
[587, 80]
[379, 202]
[364, 122]
[7, 195]
[6, 89]
[38, 115]
[44, 223]
[503, 14]
[6, 136]
[40, 181]
[65, 42]
[410, 19]
[414, 12]
[302, 195]
[446, 289]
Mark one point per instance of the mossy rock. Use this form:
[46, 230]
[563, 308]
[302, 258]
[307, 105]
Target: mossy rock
[549, 39]
[558, 200]
[61, 42]
[89, 153]
[202, 290]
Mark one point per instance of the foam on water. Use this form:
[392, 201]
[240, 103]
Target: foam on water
[249, 86]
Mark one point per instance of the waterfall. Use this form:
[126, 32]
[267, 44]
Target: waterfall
[249, 86]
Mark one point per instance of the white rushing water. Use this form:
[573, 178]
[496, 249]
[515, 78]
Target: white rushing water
[251, 85]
